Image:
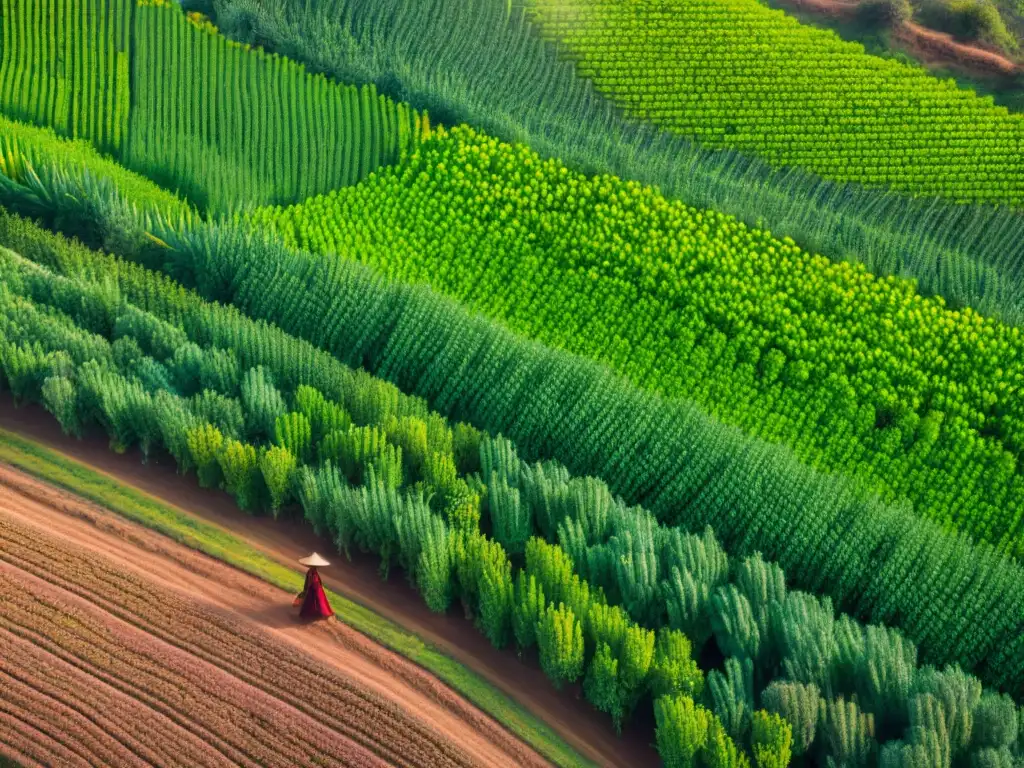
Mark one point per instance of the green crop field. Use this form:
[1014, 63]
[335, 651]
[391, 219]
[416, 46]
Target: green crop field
[730, 454]
[782, 343]
[734, 73]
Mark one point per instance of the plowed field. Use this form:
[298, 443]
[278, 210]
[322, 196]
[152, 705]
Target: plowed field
[121, 647]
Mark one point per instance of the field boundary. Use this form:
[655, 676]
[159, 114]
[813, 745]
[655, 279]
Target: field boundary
[136, 505]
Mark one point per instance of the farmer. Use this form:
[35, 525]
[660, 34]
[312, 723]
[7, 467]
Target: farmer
[312, 598]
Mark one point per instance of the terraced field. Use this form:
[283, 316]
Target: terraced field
[102, 616]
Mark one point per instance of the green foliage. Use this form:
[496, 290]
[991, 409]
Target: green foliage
[325, 416]
[995, 722]
[697, 565]
[511, 523]
[302, 134]
[720, 751]
[527, 610]
[359, 449]
[674, 670]
[848, 398]
[637, 57]
[435, 567]
[277, 465]
[970, 20]
[849, 734]
[803, 632]
[885, 673]
[263, 403]
[958, 695]
[59, 397]
[293, 432]
[772, 740]
[801, 706]
[681, 730]
[497, 594]
[223, 412]
[733, 623]
[240, 467]
[732, 696]
[601, 685]
[204, 443]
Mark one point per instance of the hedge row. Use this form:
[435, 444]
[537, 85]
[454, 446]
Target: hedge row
[958, 601]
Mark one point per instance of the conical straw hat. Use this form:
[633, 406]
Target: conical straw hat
[314, 561]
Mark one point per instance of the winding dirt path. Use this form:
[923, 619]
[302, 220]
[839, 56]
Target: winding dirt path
[221, 638]
[564, 711]
[928, 45]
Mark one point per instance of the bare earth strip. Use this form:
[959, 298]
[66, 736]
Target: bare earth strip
[282, 541]
[201, 662]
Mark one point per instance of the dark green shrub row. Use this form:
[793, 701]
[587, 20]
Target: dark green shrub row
[376, 470]
[959, 602]
[372, 469]
[859, 375]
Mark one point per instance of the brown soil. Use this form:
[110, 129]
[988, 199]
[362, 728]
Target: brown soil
[930, 46]
[565, 711]
[153, 601]
[925, 45]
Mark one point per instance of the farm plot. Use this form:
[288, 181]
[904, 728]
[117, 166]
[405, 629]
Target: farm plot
[126, 621]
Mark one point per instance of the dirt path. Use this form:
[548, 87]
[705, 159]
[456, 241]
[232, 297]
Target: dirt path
[565, 711]
[159, 599]
[928, 45]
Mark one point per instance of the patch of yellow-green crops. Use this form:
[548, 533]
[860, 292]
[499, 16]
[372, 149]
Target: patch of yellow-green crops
[65, 64]
[860, 375]
[734, 73]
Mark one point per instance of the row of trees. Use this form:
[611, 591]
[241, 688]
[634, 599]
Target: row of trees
[480, 62]
[958, 601]
[858, 375]
[154, 385]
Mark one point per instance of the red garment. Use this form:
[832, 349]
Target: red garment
[314, 601]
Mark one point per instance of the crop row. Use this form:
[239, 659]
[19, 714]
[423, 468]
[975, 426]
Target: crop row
[71, 708]
[228, 715]
[276, 669]
[586, 623]
[65, 63]
[734, 73]
[232, 126]
[857, 374]
[224, 124]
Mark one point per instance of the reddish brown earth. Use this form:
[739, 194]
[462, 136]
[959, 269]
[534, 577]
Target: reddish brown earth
[565, 711]
[925, 45]
[930, 46]
[120, 646]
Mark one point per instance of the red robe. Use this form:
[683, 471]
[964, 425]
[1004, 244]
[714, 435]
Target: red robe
[314, 600]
